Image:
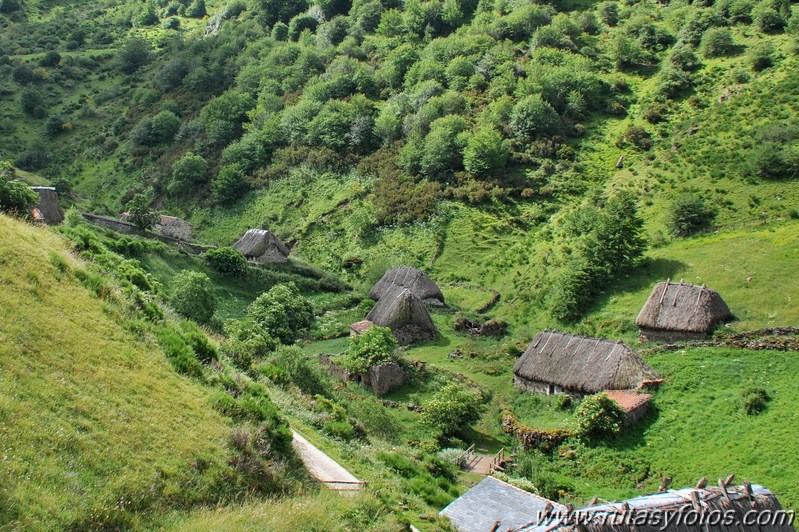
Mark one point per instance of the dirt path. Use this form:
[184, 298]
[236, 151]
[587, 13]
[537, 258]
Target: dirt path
[323, 468]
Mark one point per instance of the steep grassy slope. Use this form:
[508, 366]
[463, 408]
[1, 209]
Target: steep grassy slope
[94, 423]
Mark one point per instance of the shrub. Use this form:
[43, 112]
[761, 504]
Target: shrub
[572, 292]
[532, 117]
[196, 9]
[191, 294]
[453, 409]
[775, 160]
[375, 346]
[229, 185]
[299, 369]
[33, 103]
[761, 56]
[283, 312]
[638, 137]
[198, 341]
[280, 31]
[689, 215]
[15, 196]
[139, 212]
[754, 400]
[717, 42]
[189, 170]
[135, 53]
[50, 59]
[179, 352]
[247, 341]
[54, 126]
[598, 416]
[768, 20]
[227, 260]
[486, 153]
[339, 429]
[609, 13]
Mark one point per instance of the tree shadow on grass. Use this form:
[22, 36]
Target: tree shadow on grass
[650, 272]
[633, 437]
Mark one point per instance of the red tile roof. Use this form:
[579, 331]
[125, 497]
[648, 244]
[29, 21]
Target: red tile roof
[628, 401]
[361, 327]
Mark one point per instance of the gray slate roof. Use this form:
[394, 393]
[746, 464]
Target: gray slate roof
[493, 500]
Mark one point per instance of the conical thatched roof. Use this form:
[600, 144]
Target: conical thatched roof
[582, 364]
[404, 313]
[48, 205]
[411, 278]
[690, 503]
[683, 308]
[262, 245]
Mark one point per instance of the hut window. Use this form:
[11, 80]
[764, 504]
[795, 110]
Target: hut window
[550, 389]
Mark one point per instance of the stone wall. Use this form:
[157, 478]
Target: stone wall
[122, 226]
[649, 335]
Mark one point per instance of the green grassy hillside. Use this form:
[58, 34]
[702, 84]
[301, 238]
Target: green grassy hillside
[96, 427]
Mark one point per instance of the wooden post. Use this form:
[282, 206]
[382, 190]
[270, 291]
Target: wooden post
[702, 484]
[665, 484]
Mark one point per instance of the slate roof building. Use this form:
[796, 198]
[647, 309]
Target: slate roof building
[496, 505]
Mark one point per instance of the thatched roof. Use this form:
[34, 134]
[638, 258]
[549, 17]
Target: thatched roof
[691, 503]
[48, 206]
[492, 501]
[257, 243]
[411, 278]
[582, 364]
[683, 308]
[401, 310]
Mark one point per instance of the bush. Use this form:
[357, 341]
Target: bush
[179, 352]
[15, 196]
[33, 103]
[486, 154]
[754, 400]
[50, 59]
[247, 341]
[198, 341]
[191, 294]
[774, 160]
[375, 346]
[453, 409]
[196, 9]
[768, 20]
[533, 117]
[189, 170]
[689, 215]
[282, 312]
[717, 42]
[135, 53]
[761, 56]
[299, 369]
[139, 212]
[226, 260]
[598, 416]
[229, 184]
[638, 137]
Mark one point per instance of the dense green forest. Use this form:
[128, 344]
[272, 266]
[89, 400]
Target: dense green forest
[544, 162]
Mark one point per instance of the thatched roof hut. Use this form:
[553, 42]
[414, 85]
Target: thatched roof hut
[677, 311]
[261, 245]
[719, 509]
[496, 505]
[411, 278]
[48, 209]
[404, 313]
[557, 362]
